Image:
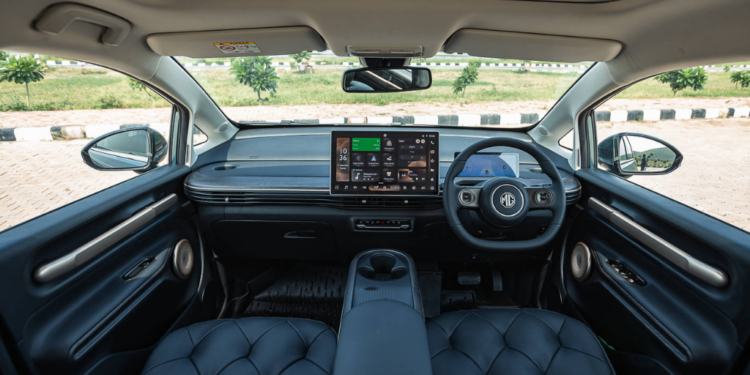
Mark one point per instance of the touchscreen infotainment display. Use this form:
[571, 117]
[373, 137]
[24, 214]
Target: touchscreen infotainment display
[485, 164]
[390, 163]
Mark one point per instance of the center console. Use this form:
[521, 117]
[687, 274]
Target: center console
[382, 324]
[382, 274]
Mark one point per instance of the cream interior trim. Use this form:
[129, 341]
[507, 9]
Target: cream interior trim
[269, 41]
[522, 46]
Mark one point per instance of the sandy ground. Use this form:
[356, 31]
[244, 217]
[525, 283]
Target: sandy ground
[152, 115]
[714, 177]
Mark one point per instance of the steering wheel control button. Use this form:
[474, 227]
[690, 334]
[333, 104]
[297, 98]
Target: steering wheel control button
[467, 197]
[543, 197]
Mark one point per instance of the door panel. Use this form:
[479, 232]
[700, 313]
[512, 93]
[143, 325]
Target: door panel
[687, 324]
[69, 324]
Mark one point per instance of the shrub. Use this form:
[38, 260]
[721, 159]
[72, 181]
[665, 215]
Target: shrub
[466, 78]
[678, 80]
[741, 78]
[110, 101]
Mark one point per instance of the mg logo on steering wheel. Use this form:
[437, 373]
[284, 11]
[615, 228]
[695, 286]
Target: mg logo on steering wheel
[507, 200]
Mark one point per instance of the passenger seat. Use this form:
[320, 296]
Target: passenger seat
[268, 346]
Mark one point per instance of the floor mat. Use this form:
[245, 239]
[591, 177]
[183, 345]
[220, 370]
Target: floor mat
[308, 290]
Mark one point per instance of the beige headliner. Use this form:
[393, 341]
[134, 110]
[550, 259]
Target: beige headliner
[657, 35]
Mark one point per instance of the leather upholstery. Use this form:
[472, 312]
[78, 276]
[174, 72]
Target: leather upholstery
[248, 346]
[513, 341]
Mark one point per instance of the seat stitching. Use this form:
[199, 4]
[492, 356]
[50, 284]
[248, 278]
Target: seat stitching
[471, 359]
[494, 360]
[459, 323]
[290, 365]
[194, 365]
[209, 332]
[243, 334]
[228, 364]
[492, 325]
[545, 323]
[584, 353]
[254, 366]
[298, 334]
[163, 363]
[263, 334]
[438, 353]
[549, 365]
[316, 337]
[317, 365]
[527, 357]
[441, 328]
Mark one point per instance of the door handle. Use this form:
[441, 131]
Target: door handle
[57, 18]
[91, 249]
[681, 259]
[301, 235]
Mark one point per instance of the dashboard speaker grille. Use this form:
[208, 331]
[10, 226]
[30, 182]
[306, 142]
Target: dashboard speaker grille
[182, 259]
[580, 262]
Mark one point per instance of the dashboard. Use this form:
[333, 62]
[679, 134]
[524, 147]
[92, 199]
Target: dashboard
[385, 163]
[274, 188]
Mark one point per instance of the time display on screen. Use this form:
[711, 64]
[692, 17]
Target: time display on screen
[395, 163]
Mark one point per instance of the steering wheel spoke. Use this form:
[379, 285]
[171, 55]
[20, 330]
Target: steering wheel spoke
[468, 197]
[540, 197]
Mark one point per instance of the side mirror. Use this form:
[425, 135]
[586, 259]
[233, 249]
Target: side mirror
[132, 149]
[627, 154]
[375, 80]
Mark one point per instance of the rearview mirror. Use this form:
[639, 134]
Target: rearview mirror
[374, 80]
[132, 149]
[627, 154]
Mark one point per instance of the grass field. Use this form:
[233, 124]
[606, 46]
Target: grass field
[67, 89]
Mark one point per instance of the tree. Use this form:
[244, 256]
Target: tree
[299, 57]
[257, 73]
[741, 78]
[694, 78]
[468, 76]
[24, 70]
[4, 55]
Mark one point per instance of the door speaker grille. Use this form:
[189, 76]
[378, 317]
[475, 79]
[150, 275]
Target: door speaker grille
[580, 261]
[182, 259]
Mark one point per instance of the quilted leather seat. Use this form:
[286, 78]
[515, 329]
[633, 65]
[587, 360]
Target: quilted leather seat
[513, 341]
[248, 346]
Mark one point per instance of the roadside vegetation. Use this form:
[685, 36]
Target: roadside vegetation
[252, 82]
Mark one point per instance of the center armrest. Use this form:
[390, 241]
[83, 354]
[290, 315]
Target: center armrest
[382, 337]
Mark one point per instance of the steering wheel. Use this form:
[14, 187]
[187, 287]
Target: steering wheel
[503, 201]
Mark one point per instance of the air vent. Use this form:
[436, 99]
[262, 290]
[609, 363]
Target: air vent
[322, 199]
[572, 196]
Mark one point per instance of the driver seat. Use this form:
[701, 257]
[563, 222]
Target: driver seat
[513, 341]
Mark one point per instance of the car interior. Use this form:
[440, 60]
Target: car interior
[377, 248]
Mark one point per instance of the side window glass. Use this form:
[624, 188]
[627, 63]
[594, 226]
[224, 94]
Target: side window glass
[48, 119]
[684, 135]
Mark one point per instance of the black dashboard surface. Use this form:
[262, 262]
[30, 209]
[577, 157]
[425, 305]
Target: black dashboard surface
[298, 160]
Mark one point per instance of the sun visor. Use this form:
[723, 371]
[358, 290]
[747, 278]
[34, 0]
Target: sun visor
[245, 42]
[538, 47]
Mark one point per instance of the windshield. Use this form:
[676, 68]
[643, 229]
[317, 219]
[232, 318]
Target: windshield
[307, 89]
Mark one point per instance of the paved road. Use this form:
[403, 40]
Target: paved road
[36, 177]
